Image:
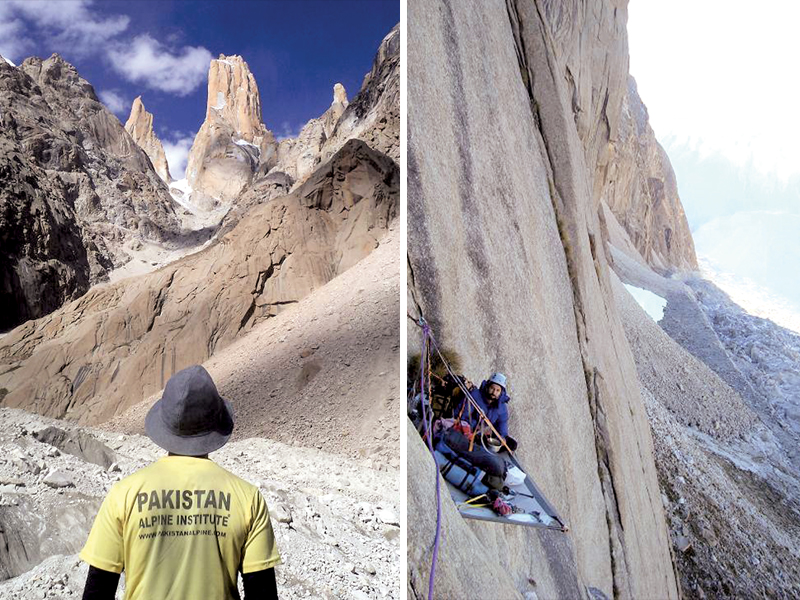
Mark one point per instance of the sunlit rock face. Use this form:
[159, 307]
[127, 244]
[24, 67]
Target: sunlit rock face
[641, 190]
[233, 141]
[140, 126]
[510, 119]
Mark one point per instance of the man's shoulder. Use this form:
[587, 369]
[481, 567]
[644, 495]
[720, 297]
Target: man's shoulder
[163, 467]
[233, 478]
[132, 478]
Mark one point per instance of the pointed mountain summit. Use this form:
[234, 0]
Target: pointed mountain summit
[233, 140]
[140, 126]
[233, 97]
[339, 104]
[298, 157]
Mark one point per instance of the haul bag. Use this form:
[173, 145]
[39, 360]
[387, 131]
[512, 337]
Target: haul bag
[461, 474]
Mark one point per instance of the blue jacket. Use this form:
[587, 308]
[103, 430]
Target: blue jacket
[498, 415]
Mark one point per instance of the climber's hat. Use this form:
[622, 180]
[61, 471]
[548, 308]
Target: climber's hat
[191, 418]
[499, 379]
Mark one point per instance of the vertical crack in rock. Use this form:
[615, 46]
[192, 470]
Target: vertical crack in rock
[412, 287]
[617, 557]
[422, 266]
[160, 300]
[261, 281]
[470, 212]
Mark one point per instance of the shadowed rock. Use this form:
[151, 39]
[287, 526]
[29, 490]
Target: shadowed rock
[78, 443]
[74, 186]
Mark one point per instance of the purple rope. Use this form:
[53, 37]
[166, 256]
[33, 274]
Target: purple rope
[426, 334]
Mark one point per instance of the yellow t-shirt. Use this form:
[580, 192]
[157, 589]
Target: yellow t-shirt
[182, 528]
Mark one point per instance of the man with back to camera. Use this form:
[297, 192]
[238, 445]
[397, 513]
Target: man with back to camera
[183, 527]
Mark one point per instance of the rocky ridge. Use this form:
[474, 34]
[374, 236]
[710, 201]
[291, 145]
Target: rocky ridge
[373, 117]
[140, 126]
[642, 192]
[297, 157]
[69, 161]
[374, 114]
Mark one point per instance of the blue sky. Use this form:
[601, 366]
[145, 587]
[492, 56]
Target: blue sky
[718, 80]
[160, 49]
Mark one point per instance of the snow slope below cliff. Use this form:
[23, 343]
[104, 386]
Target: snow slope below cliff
[653, 304]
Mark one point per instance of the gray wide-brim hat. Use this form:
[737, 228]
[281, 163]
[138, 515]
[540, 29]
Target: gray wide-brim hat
[191, 418]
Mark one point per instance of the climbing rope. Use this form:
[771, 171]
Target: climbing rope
[428, 421]
[472, 404]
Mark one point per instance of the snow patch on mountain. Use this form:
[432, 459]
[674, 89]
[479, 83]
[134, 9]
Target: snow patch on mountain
[246, 143]
[653, 304]
[221, 102]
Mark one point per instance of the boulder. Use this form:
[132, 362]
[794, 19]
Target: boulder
[58, 479]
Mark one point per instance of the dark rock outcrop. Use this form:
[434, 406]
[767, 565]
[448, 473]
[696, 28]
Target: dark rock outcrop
[75, 187]
[44, 261]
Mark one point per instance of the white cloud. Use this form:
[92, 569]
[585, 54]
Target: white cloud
[75, 27]
[287, 131]
[177, 151]
[13, 43]
[69, 25]
[148, 62]
[115, 102]
[716, 74]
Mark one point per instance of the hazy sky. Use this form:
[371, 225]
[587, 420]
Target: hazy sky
[160, 49]
[719, 79]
